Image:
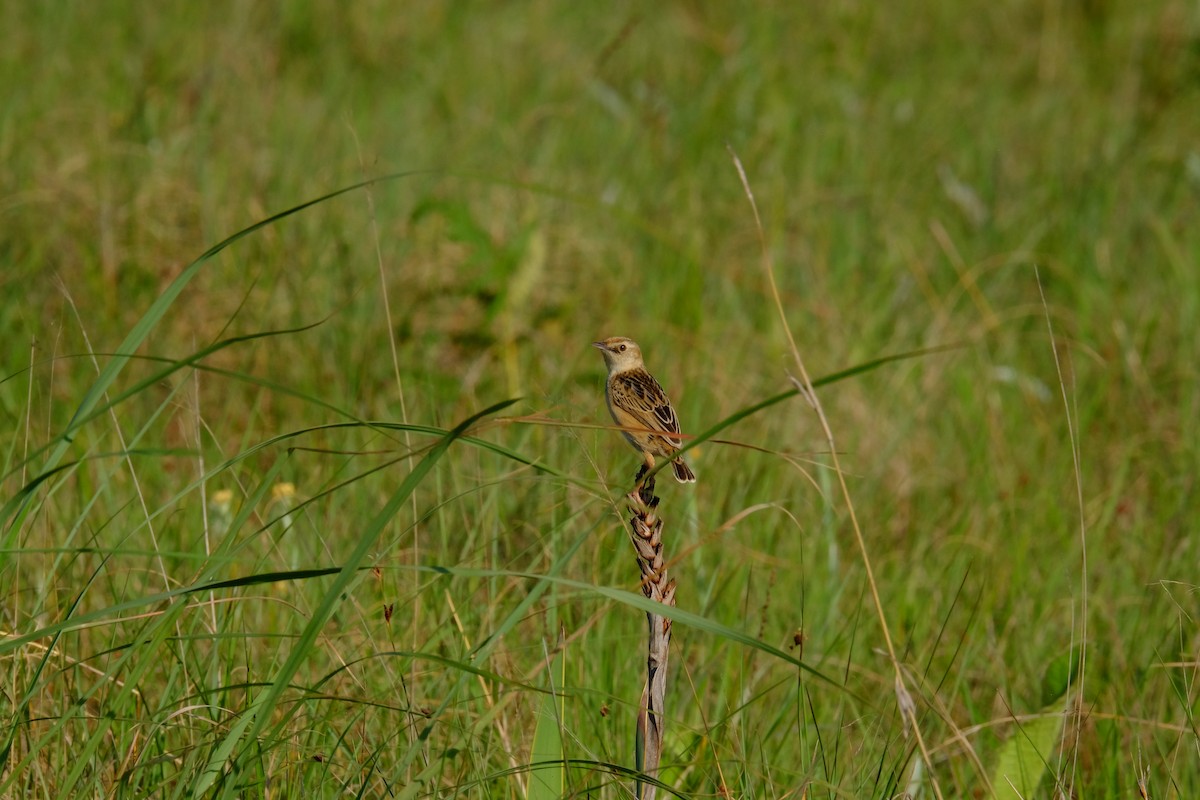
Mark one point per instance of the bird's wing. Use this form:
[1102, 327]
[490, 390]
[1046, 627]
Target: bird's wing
[647, 401]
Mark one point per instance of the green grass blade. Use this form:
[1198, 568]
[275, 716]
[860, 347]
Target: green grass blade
[825, 380]
[642, 603]
[547, 778]
[1024, 759]
[158, 309]
[255, 719]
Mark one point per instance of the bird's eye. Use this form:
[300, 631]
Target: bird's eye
[621, 348]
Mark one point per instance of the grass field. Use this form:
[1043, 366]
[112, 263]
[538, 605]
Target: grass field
[241, 554]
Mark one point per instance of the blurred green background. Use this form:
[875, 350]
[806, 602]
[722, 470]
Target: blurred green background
[567, 176]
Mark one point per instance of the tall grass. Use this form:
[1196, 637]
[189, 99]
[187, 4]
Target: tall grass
[231, 565]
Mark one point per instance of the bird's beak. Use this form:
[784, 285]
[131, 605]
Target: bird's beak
[599, 345]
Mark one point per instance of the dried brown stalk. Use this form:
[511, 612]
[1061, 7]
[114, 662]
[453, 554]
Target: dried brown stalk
[645, 531]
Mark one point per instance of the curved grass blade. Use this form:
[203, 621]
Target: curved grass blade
[641, 602]
[254, 719]
[833, 377]
[158, 309]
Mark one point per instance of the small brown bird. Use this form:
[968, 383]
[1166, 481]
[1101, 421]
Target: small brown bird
[636, 400]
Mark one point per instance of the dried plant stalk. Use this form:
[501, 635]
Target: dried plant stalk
[646, 535]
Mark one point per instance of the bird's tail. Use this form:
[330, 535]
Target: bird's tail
[683, 473]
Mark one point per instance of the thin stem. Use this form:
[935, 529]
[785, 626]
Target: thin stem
[804, 384]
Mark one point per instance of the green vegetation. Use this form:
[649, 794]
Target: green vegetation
[245, 550]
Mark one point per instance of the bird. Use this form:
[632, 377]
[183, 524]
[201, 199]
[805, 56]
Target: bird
[637, 401]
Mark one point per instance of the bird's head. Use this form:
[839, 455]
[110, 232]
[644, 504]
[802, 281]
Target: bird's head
[620, 354]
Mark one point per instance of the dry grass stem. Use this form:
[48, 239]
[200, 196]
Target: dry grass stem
[804, 384]
[645, 531]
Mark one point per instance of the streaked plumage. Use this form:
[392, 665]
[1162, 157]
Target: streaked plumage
[636, 400]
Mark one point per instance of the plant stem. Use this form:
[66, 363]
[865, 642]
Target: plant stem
[646, 535]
